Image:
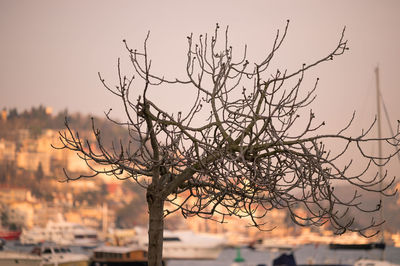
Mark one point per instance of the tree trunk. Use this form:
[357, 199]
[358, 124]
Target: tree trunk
[156, 227]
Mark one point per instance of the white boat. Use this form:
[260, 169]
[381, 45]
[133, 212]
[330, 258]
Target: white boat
[61, 233]
[120, 255]
[368, 262]
[11, 258]
[45, 255]
[53, 255]
[273, 245]
[186, 245]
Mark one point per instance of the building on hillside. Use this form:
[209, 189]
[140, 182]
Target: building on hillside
[19, 204]
[76, 164]
[45, 213]
[81, 185]
[22, 213]
[15, 194]
[7, 150]
[4, 114]
[33, 152]
[31, 161]
[91, 216]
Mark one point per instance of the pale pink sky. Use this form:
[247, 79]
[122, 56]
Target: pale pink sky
[51, 50]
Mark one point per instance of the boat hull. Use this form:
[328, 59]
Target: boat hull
[367, 246]
[19, 262]
[10, 235]
[11, 258]
[120, 263]
[192, 253]
[367, 262]
[74, 263]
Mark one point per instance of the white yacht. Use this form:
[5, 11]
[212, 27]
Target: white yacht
[120, 255]
[62, 233]
[15, 258]
[43, 255]
[368, 262]
[187, 245]
[273, 245]
[53, 255]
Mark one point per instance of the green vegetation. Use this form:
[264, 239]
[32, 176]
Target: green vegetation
[38, 119]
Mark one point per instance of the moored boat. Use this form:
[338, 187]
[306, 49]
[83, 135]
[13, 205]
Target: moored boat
[186, 245]
[119, 256]
[272, 244]
[53, 255]
[62, 233]
[10, 234]
[368, 262]
[14, 258]
[361, 246]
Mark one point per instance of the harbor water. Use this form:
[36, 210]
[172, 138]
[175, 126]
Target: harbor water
[306, 254]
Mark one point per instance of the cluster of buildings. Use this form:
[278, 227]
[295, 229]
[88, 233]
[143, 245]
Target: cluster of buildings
[19, 207]
[28, 153]
[26, 210]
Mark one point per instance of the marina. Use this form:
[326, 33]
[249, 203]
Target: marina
[307, 254]
[119, 256]
[185, 244]
[45, 254]
[61, 232]
[304, 255]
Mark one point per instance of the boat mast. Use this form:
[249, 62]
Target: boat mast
[378, 106]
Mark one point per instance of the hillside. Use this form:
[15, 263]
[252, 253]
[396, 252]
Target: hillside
[28, 161]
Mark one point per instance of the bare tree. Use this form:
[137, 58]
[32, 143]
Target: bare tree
[246, 158]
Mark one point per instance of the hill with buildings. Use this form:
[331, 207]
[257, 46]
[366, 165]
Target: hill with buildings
[31, 174]
[32, 191]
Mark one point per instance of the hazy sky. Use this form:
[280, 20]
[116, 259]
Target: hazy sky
[52, 50]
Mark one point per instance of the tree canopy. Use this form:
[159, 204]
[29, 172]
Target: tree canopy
[246, 158]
